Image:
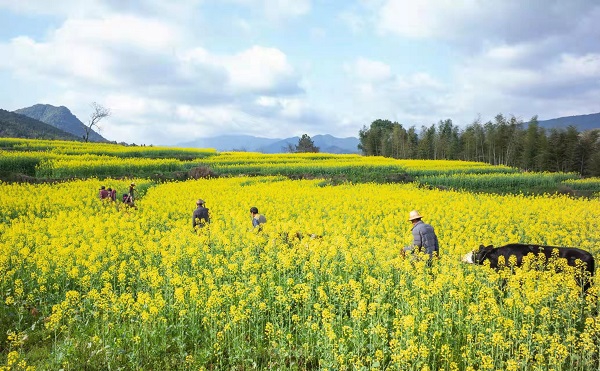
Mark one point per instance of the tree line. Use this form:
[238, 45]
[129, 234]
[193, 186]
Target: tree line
[503, 141]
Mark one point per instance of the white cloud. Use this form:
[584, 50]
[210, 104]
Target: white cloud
[127, 51]
[278, 9]
[369, 70]
[538, 57]
[88, 50]
[151, 76]
[117, 30]
[255, 70]
[99, 8]
[578, 66]
[411, 99]
[33, 60]
[503, 80]
[258, 68]
[291, 108]
[500, 21]
[63, 7]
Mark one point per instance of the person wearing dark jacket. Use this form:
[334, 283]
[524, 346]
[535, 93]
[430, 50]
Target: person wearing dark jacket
[424, 237]
[200, 217]
[103, 193]
[112, 194]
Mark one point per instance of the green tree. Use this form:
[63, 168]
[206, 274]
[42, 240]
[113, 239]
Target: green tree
[532, 146]
[426, 146]
[412, 142]
[399, 141]
[446, 142]
[376, 140]
[306, 144]
[589, 144]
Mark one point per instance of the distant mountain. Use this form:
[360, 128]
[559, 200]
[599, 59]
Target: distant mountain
[331, 144]
[230, 143]
[581, 122]
[61, 118]
[14, 125]
[326, 144]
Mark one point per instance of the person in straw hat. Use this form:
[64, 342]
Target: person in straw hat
[424, 237]
[200, 216]
[132, 191]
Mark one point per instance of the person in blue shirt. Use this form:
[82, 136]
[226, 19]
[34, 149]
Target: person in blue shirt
[257, 219]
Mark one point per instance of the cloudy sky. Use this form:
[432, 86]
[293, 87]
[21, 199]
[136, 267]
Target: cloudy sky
[172, 71]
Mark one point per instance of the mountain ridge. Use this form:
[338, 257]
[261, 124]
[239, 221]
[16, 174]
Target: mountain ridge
[14, 125]
[581, 122]
[60, 117]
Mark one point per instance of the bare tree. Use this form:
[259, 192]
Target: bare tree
[98, 114]
[290, 148]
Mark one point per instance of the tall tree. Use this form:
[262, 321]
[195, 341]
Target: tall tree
[555, 151]
[532, 146]
[99, 112]
[412, 142]
[469, 145]
[572, 142]
[589, 143]
[376, 140]
[491, 138]
[306, 144]
[426, 146]
[513, 146]
[399, 141]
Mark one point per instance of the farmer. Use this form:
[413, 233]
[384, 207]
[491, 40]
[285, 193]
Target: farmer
[200, 217]
[132, 191]
[112, 194]
[128, 201]
[424, 237]
[257, 219]
[103, 193]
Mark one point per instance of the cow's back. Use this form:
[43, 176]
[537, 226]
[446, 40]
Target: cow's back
[571, 254]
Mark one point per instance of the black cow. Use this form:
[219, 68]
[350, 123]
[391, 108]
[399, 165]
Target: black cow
[571, 254]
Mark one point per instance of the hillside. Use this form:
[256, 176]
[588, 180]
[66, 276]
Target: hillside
[61, 118]
[14, 125]
[581, 122]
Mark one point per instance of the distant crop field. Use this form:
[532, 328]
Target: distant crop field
[87, 284]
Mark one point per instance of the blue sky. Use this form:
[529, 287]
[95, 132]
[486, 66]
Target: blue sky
[173, 71]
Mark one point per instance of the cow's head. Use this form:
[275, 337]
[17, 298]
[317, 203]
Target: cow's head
[478, 256]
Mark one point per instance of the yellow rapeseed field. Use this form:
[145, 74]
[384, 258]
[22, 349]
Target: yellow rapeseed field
[87, 284]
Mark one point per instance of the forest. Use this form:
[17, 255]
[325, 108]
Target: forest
[504, 141]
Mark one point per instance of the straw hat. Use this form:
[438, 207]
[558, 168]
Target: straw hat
[414, 215]
[200, 202]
